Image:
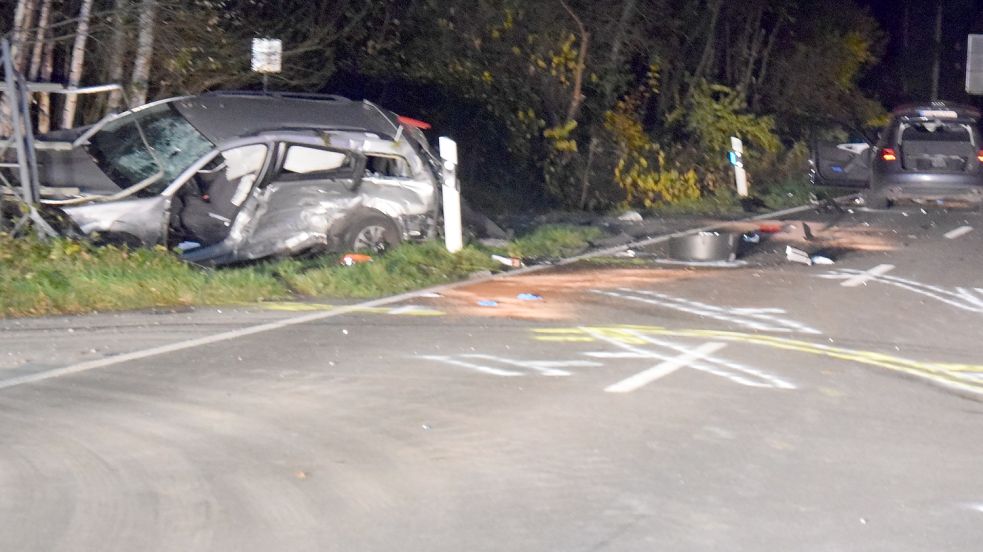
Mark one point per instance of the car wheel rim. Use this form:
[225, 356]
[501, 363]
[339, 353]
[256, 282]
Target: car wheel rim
[371, 238]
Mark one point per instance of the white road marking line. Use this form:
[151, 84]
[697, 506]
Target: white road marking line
[753, 318]
[709, 364]
[483, 364]
[207, 340]
[665, 368]
[871, 274]
[961, 298]
[961, 231]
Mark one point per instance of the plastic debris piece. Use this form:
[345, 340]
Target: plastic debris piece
[752, 237]
[529, 297]
[513, 262]
[430, 295]
[769, 228]
[487, 303]
[351, 259]
[797, 255]
[630, 253]
[821, 260]
[631, 216]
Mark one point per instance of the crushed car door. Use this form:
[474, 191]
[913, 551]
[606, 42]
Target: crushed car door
[207, 204]
[310, 188]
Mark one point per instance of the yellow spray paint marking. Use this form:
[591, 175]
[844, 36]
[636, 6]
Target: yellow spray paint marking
[945, 373]
[290, 306]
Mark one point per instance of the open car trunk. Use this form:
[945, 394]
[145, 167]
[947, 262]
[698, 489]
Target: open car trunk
[936, 146]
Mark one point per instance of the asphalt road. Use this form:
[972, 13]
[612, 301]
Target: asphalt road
[638, 406]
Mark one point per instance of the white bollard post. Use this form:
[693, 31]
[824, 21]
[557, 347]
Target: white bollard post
[451, 196]
[737, 160]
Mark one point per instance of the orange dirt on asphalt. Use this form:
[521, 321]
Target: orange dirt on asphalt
[563, 291]
[855, 237]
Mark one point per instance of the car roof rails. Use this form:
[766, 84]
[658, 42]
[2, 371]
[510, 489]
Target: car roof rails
[937, 109]
[287, 95]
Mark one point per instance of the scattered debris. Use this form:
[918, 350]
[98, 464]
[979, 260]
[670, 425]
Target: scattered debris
[300, 474]
[426, 427]
[529, 297]
[751, 237]
[631, 216]
[807, 231]
[430, 295]
[797, 255]
[487, 303]
[821, 260]
[351, 259]
[629, 253]
[513, 262]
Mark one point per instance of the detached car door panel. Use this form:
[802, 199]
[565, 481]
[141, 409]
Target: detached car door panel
[845, 165]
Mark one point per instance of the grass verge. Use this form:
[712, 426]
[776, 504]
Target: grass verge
[65, 277]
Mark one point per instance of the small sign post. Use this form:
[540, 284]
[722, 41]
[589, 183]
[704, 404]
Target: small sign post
[736, 158]
[451, 196]
[267, 58]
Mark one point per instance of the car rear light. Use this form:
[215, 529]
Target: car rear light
[888, 154]
[979, 156]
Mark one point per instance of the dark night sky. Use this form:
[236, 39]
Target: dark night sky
[905, 72]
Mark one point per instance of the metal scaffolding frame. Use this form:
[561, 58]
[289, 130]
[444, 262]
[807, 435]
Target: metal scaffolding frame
[27, 189]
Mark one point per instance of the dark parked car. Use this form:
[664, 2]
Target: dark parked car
[927, 154]
[231, 177]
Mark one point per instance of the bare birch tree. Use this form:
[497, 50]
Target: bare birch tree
[39, 40]
[117, 53]
[145, 50]
[78, 62]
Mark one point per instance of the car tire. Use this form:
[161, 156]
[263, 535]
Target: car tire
[371, 233]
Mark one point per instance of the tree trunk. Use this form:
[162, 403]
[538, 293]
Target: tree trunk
[577, 96]
[765, 58]
[23, 18]
[145, 51]
[708, 49]
[44, 99]
[117, 54]
[39, 40]
[78, 62]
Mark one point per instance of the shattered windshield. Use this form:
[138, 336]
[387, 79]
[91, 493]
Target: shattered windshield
[122, 154]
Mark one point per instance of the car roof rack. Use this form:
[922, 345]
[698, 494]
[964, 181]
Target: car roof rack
[936, 109]
[288, 95]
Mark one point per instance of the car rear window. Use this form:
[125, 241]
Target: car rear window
[936, 132]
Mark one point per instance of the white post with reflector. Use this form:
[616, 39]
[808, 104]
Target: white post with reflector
[736, 158]
[451, 196]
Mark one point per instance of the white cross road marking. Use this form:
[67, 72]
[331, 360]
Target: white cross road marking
[762, 319]
[664, 368]
[733, 371]
[493, 365]
[864, 277]
[962, 298]
[961, 231]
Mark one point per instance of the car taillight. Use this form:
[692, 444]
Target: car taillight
[888, 154]
[979, 155]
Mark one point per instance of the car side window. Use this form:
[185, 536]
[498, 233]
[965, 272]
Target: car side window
[310, 163]
[386, 167]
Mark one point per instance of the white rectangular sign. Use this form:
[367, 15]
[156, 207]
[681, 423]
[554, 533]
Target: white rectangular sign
[267, 55]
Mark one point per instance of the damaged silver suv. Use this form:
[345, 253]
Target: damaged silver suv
[234, 177]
